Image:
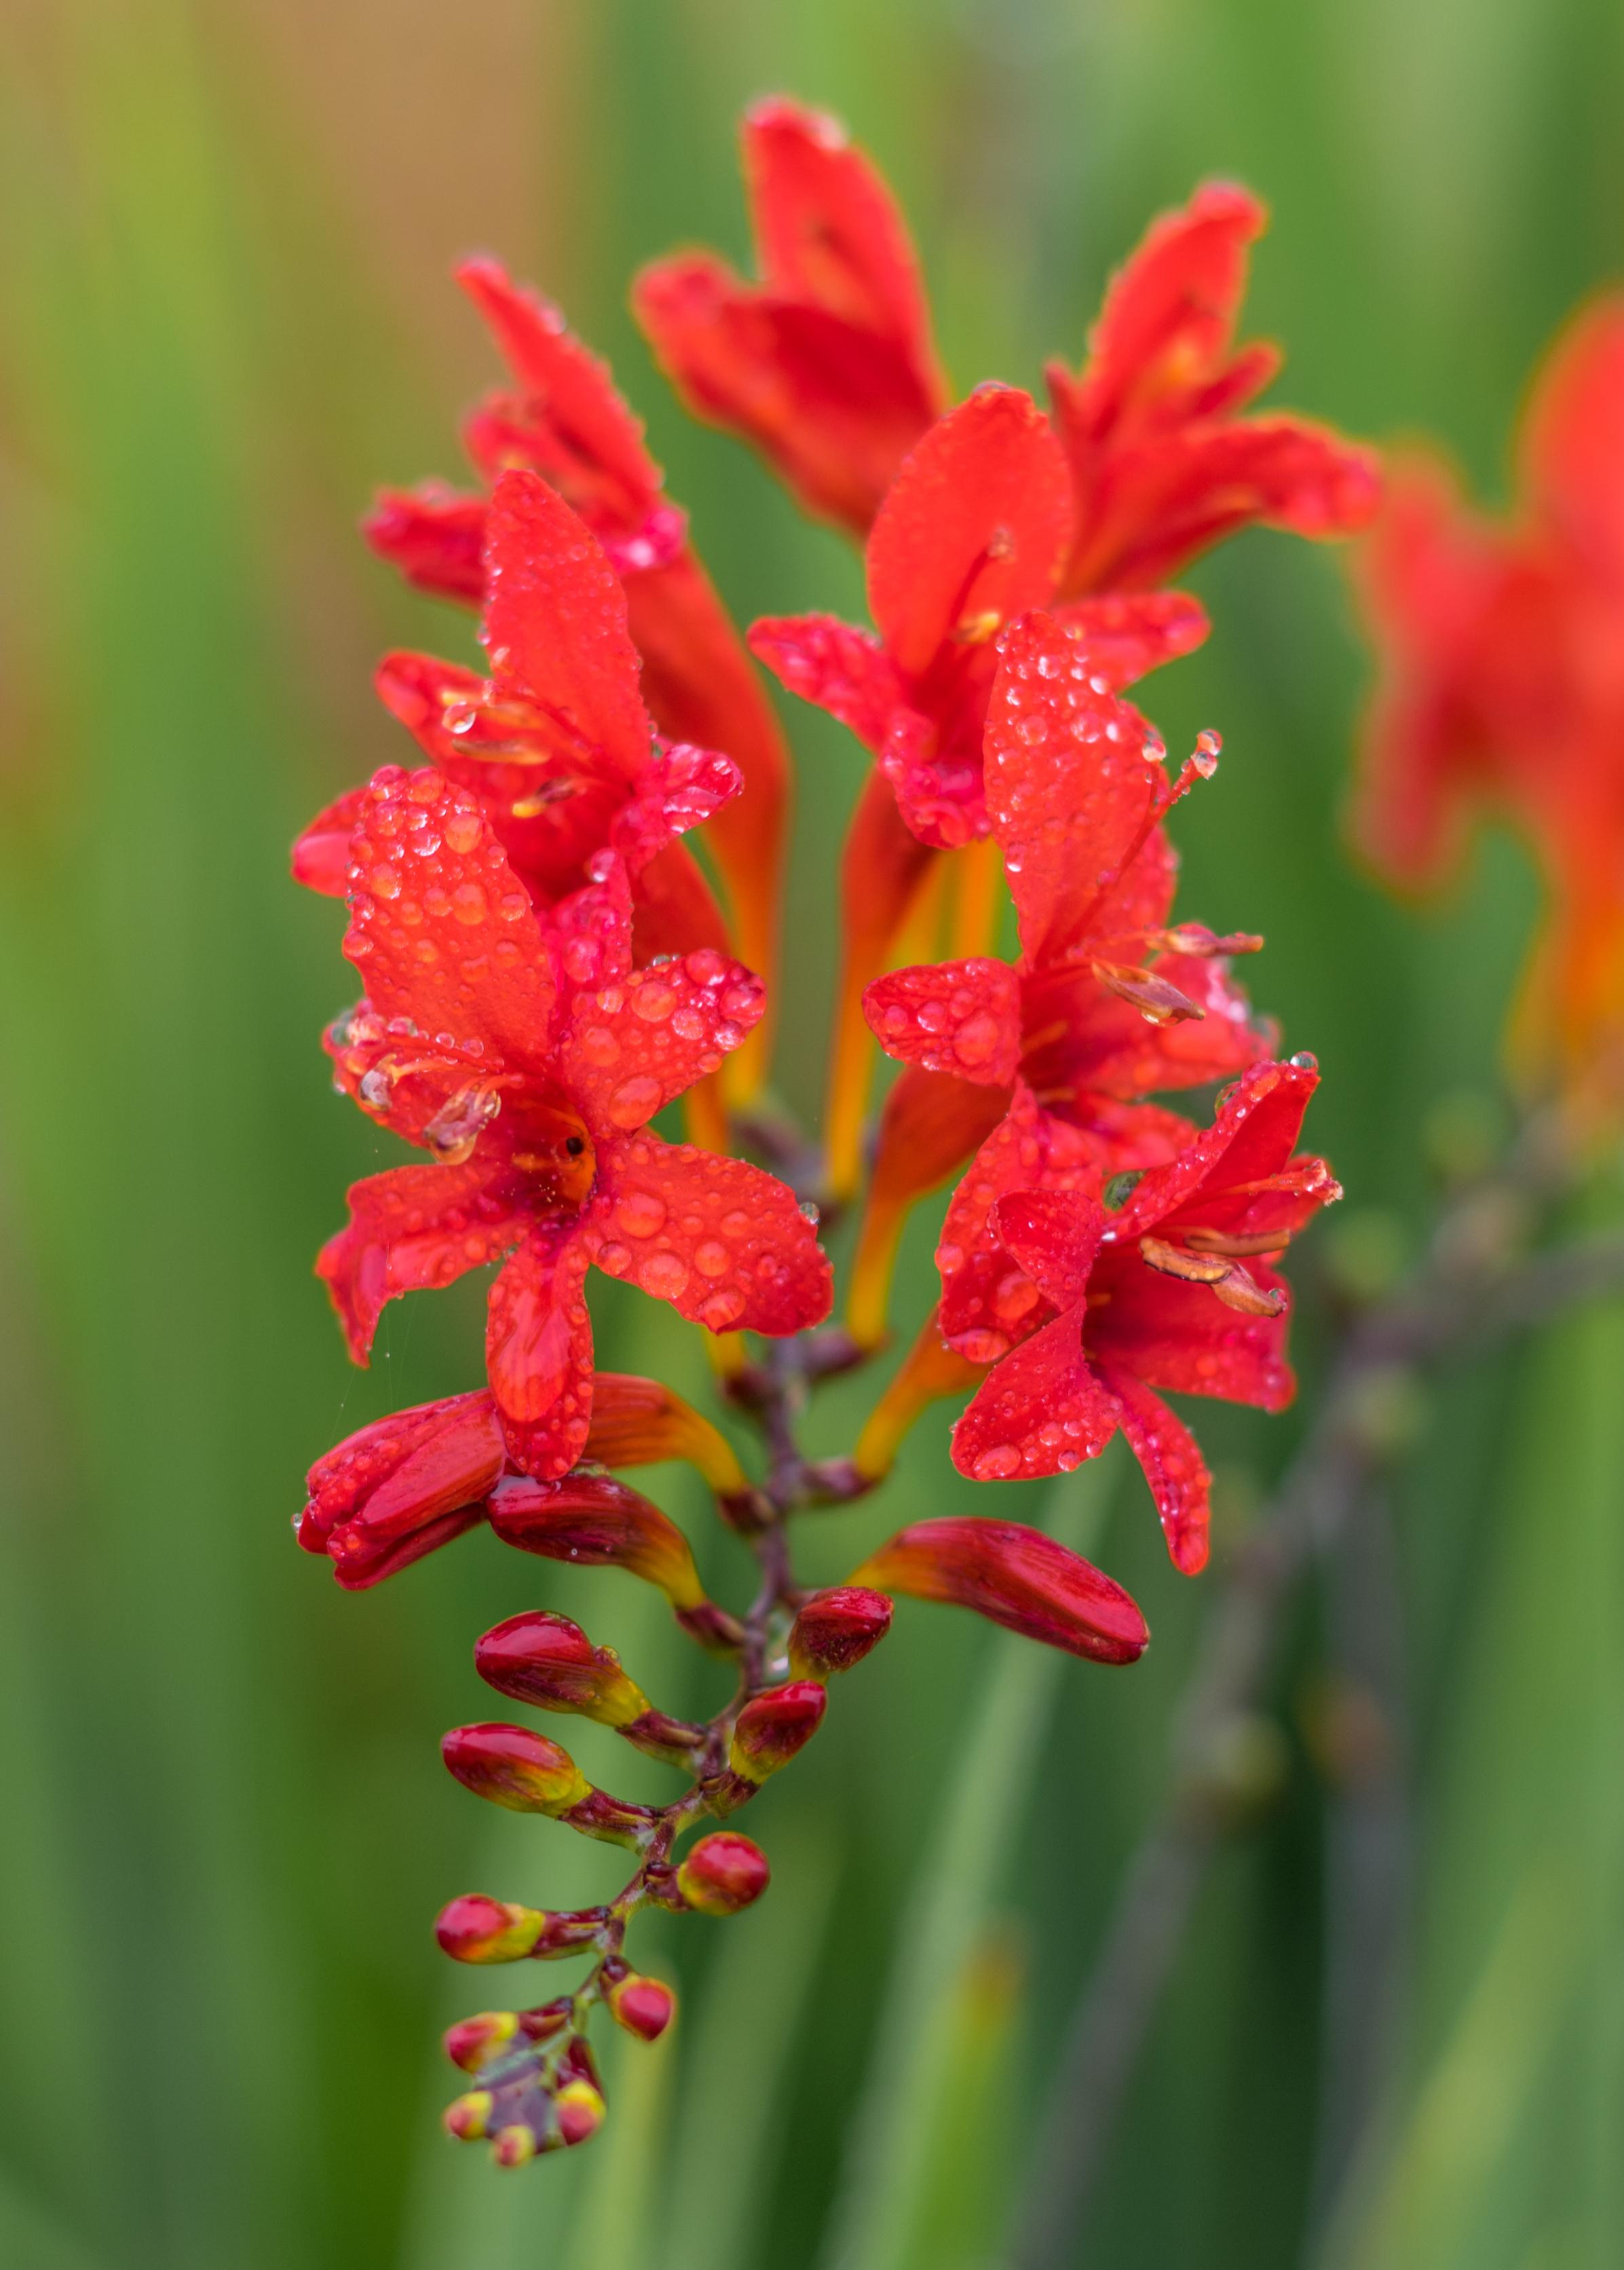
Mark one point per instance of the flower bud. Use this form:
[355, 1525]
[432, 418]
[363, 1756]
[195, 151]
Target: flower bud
[580, 2110]
[835, 1629]
[514, 2146]
[596, 1522]
[1014, 1576]
[642, 1423]
[474, 1929]
[644, 2006]
[395, 1490]
[511, 1766]
[466, 2116]
[723, 1874]
[473, 2041]
[547, 1661]
[773, 1727]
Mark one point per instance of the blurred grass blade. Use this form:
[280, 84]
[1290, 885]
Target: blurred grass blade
[890, 2158]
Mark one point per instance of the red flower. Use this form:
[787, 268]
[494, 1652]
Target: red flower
[555, 743]
[1502, 686]
[827, 365]
[1015, 1577]
[564, 418]
[529, 1062]
[1174, 1290]
[1106, 1003]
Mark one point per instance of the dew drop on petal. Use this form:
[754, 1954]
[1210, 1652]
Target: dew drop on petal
[664, 1275]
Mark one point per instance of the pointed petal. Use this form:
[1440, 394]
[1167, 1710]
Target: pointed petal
[1125, 634]
[1174, 1467]
[837, 668]
[1053, 1235]
[555, 621]
[441, 929]
[972, 531]
[648, 1036]
[957, 1017]
[1102, 1045]
[987, 1300]
[435, 535]
[724, 1242]
[1241, 1176]
[321, 859]
[596, 1522]
[1074, 778]
[1040, 1411]
[1182, 1336]
[412, 1227]
[1015, 1577]
[539, 1346]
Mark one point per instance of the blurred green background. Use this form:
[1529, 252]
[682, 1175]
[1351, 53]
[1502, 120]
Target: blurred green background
[223, 316]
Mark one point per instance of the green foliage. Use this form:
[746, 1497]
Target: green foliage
[227, 1829]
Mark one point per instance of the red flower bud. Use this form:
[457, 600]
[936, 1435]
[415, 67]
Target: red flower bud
[772, 1727]
[644, 2006]
[547, 1661]
[640, 1422]
[511, 1766]
[475, 1929]
[835, 1629]
[596, 1522]
[580, 2109]
[1015, 1577]
[388, 1494]
[723, 1874]
[473, 2041]
[514, 2146]
[465, 2119]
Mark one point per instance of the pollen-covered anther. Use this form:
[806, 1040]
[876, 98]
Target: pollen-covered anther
[1231, 1283]
[1197, 938]
[1157, 1001]
[1223, 1241]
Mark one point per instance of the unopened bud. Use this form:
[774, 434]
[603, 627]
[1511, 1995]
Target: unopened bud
[511, 1766]
[1016, 1576]
[836, 1629]
[644, 2006]
[723, 1874]
[642, 1423]
[596, 1522]
[548, 1660]
[466, 2116]
[392, 1491]
[580, 2109]
[473, 2041]
[773, 1727]
[475, 1929]
[514, 2146]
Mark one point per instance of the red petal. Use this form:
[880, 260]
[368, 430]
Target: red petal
[596, 1522]
[585, 438]
[1040, 1411]
[1571, 452]
[435, 535]
[724, 1242]
[440, 927]
[1182, 1336]
[682, 787]
[1053, 1235]
[932, 1124]
[675, 911]
[1016, 1576]
[973, 528]
[555, 623]
[957, 1017]
[321, 857]
[538, 1347]
[987, 1301]
[1240, 1176]
[1126, 635]
[844, 671]
[827, 229]
[1174, 1467]
[647, 1036]
[1073, 776]
[411, 1229]
[1105, 1046]
[404, 1471]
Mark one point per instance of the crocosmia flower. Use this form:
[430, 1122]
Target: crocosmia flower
[529, 1060]
[1174, 1290]
[1501, 647]
[827, 365]
[563, 418]
[1106, 1004]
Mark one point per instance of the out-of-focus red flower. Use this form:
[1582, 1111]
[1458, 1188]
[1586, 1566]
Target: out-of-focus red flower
[564, 418]
[1174, 1290]
[393, 1491]
[555, 744]
[827, 365]
[1106, 1003]
[1163, 465]
[1502, 652]
[1015, 1577]
[529, 1060]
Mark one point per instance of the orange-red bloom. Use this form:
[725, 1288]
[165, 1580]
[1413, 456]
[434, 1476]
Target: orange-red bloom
[827, 365]
[529, 1060]
[1502, 648]
[1176, 1290]
[563, 418]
